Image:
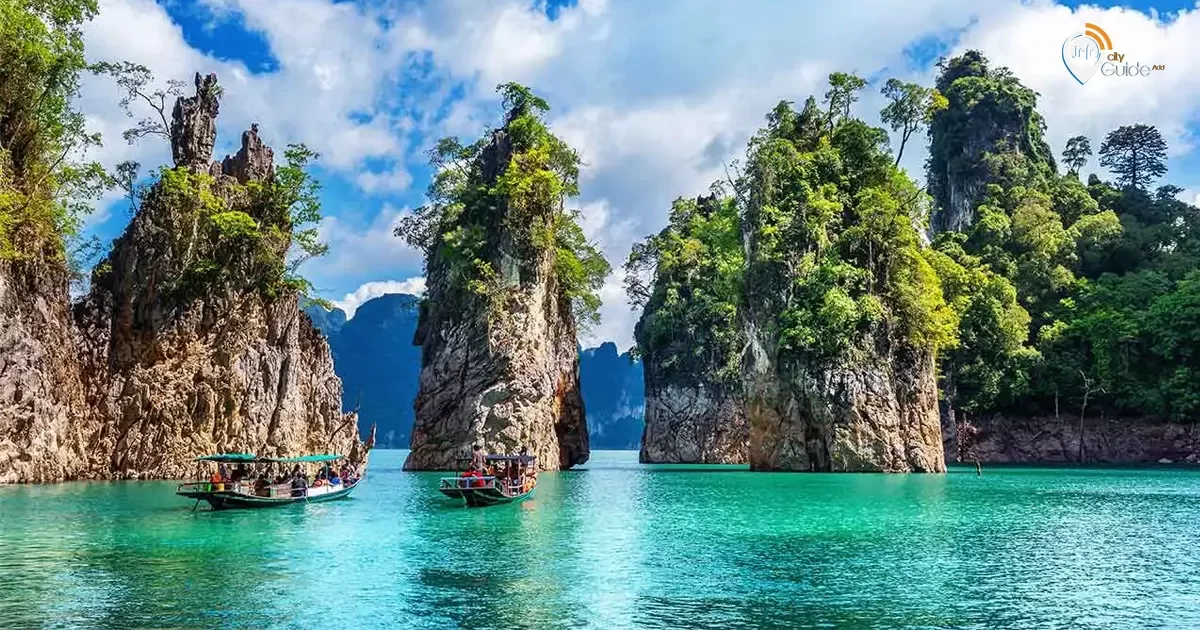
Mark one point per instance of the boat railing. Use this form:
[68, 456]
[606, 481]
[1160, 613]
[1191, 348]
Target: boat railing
[274, 490]
[472, 482]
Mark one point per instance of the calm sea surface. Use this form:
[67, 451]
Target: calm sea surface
[618, 545]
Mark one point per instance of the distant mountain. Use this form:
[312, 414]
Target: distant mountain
[328, 322]
[379, 366]
[614, 397]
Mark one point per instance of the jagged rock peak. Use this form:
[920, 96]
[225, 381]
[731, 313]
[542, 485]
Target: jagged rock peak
[194, 125]
[254, 161]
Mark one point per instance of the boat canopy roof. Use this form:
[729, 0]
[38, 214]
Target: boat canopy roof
[228, 457]
[302, 458]
[510, 458]
[252, 458]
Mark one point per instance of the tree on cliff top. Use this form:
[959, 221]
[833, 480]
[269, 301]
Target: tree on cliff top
[497, 210]
[43, 189]
[835, 258]
[1136, 154]
[688, 281]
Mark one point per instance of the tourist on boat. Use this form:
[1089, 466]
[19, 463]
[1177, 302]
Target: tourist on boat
[223, 471]
[299, 483]
[478, 458]
[239, 473]
[334, 480]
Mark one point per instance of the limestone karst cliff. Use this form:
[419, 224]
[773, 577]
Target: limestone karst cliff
[990, 115]
[41, 396]
[189, 341]
[509, 274]
[689, 335]
[842, 314]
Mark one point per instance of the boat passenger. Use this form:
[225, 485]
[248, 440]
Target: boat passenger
[239, 473]
[334, 480]
[223, 471]
[478, 458]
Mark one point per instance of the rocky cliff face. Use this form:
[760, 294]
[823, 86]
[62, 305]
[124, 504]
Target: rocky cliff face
[41, 396]
[180, 354]
[990, 115]
[500, 369]
[879, 415]
[506, 384]
[1001, 439]
[701, 423]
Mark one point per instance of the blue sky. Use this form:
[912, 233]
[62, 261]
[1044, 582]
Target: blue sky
[656, 96]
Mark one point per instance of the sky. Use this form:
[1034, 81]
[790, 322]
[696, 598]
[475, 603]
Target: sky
[656, 96]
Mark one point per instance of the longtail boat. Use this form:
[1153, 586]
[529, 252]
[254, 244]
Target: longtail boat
[505, 479]
[250, 485]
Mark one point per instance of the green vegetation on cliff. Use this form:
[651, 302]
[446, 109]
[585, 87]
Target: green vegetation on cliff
[44, 190]
[1104, 277]
[835, 256]
[688, 279]
[497, 210]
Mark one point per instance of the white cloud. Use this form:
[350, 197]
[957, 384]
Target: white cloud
[372, 290]
[655, 96]
[394, 180]
[359, 249]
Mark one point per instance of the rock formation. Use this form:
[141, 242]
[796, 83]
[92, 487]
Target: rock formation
[500, 365]
[689, 335]
[187, 342]
[41, 397]
[1005, 439]
[842, 319]
[976, 126]
[694, 423]
[877, 415]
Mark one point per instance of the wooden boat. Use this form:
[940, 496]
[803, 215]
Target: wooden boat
[505, 479]
[222, 492]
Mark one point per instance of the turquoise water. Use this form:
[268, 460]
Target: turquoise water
[618, 545]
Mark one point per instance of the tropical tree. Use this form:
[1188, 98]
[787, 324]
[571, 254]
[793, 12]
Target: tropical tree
[1136, 154]
[1076, 155]
[910, 108]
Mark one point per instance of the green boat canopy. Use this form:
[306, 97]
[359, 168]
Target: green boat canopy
[301, 459]
[228, 457]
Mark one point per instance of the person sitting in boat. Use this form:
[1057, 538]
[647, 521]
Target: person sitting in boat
[239, 473]
[223, 471]
[334, 479]
[260, 485]
[299, 482]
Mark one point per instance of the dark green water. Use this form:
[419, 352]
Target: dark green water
[619, 545]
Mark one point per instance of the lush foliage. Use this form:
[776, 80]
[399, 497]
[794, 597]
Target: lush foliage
[688, 279]
[44, 190]
[989, 131]
[1136, 154]
[497, 210]
[226, 235]
[1063, 290]
[835, 259]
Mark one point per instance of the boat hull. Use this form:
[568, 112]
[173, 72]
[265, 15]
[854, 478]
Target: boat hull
[484, 497]
[226, 500]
